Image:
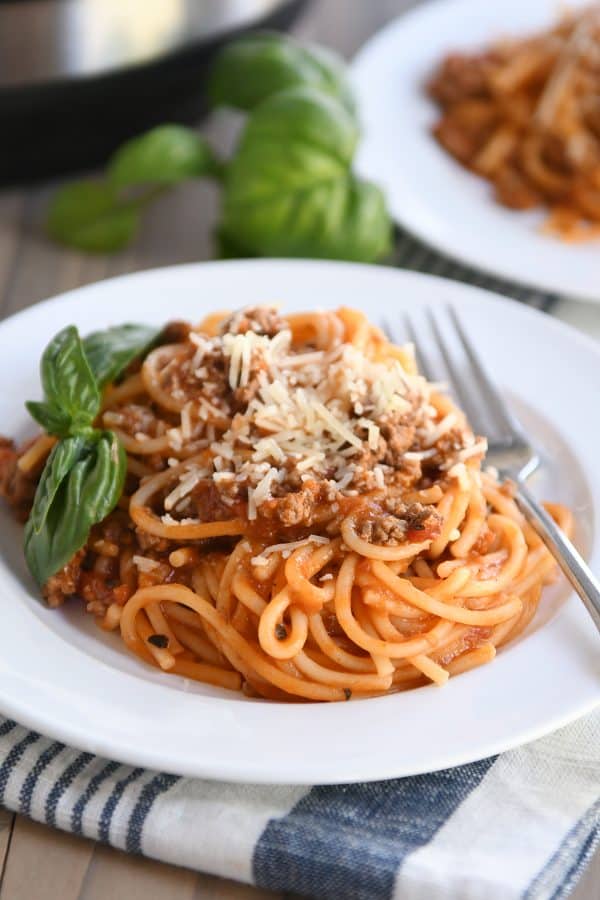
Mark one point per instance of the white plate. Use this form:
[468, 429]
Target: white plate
[64, 677]
[428, 192]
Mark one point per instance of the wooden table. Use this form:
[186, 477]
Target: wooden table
[36, 862]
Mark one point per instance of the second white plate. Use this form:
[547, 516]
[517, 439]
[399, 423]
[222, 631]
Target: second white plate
[428, 192]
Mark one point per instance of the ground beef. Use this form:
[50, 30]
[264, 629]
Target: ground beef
[259, 319]
[298, 508]
[155, 461]
[364, 480]
[136, 418]
[147, 541]
[398, 433]
[461, 139]
[388, 530]
[590, 106]
[406, 475]
[366, 458]
[188, 378]
[450, 442]
[461, 77]
[116, 528]
[215, 384]
[401, 522]
[447, 448]
[513, 190]
[175, 332]
[64, 584]
[555, 153]
[295, 509]
[16, 487]
[292, 480]
[416, 516]
[484, 542]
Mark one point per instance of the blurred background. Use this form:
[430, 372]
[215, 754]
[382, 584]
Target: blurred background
[77, 77]
[80, 76]
[87, 73]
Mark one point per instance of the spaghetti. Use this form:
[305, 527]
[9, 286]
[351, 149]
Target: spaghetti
[304, 516]
[525, 114]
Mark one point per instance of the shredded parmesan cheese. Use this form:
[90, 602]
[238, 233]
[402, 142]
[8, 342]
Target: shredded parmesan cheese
[473, 450]
[145, 564]
[276, 420]
[187, 483]
[459, 471]
[167, 519]
[186, 422]
[287, 549]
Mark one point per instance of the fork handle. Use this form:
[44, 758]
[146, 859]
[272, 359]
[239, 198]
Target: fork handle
[573, 565]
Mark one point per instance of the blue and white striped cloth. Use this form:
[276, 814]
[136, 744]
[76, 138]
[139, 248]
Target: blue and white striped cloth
[520, 825]
[410, 253]
[523, 824]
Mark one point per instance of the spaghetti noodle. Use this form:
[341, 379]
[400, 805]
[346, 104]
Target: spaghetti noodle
[525, 114]
[304, 517]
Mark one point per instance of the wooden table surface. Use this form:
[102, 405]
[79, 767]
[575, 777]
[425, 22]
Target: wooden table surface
[36, 862]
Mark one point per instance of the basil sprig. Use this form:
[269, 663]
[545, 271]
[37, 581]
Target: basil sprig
[104, 216]
[80, 485]
[84, 475]
[288, 188]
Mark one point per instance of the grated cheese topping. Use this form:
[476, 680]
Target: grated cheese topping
[274, 417]
[144, 563]
[286, 549]
[312, 412]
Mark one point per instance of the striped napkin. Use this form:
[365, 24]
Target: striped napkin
[410, 253]
[523, 824]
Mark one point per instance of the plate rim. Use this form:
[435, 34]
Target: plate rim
[495, 296]
[253, 770]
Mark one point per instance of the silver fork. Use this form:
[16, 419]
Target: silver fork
[509, 450]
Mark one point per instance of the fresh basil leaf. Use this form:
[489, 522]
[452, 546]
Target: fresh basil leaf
[295, 140]
[68, 381]
[290, 190]
[53, 420]
[90, 216]
[354, 221]
[62, 459]
[252, 69]
[85, 495]
[346, 219]
[163, 156]
[110, 352]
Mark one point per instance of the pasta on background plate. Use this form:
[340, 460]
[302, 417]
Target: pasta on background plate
[525, 114]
